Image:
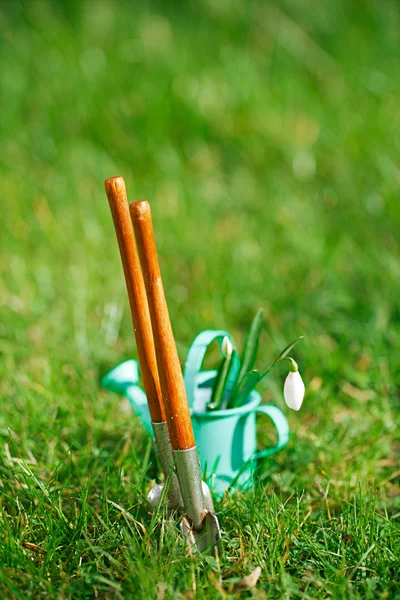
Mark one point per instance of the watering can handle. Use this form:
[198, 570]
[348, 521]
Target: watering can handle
[124, 380]
[281, 425]
[195, 357]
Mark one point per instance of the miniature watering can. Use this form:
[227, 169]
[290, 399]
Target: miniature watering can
[226, 439]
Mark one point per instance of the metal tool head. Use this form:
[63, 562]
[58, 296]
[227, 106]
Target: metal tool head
[199, 525]
[208, 501]
[208, 535]
[154, 497]
[205, 538]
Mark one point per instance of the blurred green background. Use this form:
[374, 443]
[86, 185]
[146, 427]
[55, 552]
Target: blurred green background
[266, 137]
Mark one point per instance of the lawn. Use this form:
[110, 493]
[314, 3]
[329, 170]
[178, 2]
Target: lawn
[266, 137]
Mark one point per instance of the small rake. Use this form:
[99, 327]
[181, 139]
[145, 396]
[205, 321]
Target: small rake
[160, 367]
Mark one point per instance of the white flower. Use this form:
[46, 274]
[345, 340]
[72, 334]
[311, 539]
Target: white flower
[226, 347]
[294, 390]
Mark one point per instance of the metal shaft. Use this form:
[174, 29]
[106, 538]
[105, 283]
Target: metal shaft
[162, 441]
[190, 481]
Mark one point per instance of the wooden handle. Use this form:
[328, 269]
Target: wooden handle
[172, 386]
[116, 194]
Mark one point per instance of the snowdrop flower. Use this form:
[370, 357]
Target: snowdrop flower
[226, 347]
[294, 388]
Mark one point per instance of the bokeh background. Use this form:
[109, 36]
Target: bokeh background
[266, 137]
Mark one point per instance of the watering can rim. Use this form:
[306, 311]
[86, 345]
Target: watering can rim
[253, 400]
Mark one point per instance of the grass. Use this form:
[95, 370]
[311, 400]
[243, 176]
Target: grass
[266, 137]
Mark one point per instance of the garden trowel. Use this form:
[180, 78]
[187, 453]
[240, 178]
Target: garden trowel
[159, 360]
[199, 522]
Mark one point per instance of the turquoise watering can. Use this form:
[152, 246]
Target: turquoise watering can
[226, 439]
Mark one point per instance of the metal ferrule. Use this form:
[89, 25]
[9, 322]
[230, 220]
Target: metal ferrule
[189, 475]
[162, 441]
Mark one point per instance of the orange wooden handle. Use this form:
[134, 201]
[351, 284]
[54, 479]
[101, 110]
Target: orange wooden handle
[172, 386]
[116, 194]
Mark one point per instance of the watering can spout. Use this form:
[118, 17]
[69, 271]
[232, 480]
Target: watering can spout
[124, 380]
[121, 377]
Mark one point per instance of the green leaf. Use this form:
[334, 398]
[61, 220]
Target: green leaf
[282, 355]
[230, 380]
[249, 352]
[218, 398]
[251, 345]
[247, 384]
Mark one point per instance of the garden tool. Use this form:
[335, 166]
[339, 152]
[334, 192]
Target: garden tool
[116, 193]
[200, 524]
